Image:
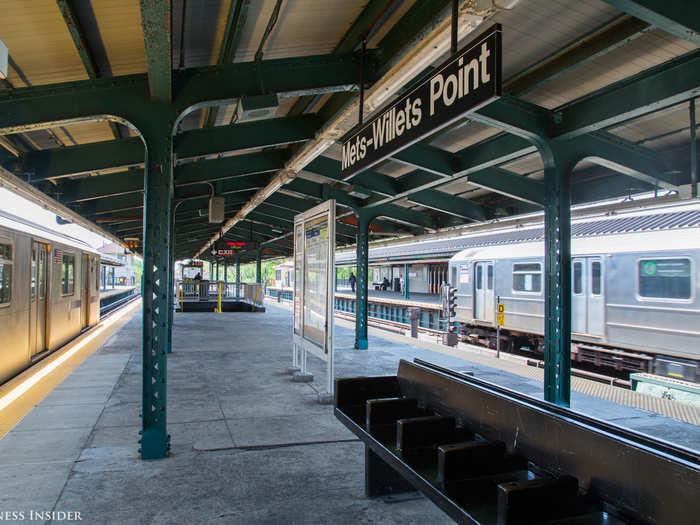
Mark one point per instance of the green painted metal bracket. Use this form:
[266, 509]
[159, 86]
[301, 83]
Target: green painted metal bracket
[246, 135]
[84, 158]
[508, 183]
[234, 185]
[107, 186]
[520, 118]
[212, 170]
[155, 22]
[199, 87]
[446, 203]
[617, 154]
[679, 18]
[127, 97]
[428, 158]
[73, 160]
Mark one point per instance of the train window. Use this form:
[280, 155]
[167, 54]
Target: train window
[479, 277]
[489, 277]
[596, 278]
[5, 273]
[42, 273]
[33, 273]
[68, 274]
[665, 278]
[578, 278]
[527, 277]
[97, 276]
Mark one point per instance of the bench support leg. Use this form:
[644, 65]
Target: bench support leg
[381, 479]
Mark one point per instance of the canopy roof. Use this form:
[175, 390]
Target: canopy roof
[616, 74]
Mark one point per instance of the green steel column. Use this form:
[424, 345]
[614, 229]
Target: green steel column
[361, 342]
[171, 278]
[225, 270]
[335, 279]
[405, 280]
[217, 270]
[158, 188]
[557, 281]
[258, 266]
[238, 275]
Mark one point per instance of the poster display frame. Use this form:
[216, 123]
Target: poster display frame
[324, 211]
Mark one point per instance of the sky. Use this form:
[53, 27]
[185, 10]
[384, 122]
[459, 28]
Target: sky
[12, 203]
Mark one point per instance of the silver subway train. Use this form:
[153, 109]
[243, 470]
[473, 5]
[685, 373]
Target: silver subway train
[635, 301]
[49, 292]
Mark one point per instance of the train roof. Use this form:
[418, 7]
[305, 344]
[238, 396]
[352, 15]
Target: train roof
[20, 224]
[612, 228]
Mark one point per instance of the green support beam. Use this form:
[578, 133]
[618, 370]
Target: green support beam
[127, 97]
[155, 22]
[627, 158]
[246, 135]
[508, 183]
[362, 265]
[428, 158]
[102, 186]
[446, 203]
[557, 281]
[234, 185]
[679, 18]
[84, 158]
[211, 170]
[157, 250]
[200, 87]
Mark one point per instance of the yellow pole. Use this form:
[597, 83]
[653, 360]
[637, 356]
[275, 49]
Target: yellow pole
[218, 307]
[182, 301]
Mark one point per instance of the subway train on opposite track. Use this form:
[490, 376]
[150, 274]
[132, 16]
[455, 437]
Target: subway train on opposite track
[49, 291]
[635, 292]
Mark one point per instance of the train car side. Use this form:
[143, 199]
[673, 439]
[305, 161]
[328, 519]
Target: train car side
[625, 297]
[49, 294]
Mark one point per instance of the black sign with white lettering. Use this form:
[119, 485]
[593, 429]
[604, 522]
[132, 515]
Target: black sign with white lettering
[465, 82]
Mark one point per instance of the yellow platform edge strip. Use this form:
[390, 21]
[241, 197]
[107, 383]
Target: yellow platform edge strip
[22, 393]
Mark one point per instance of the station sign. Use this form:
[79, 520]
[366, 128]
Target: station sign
[230, 248]
[467, 81]
[501, 311]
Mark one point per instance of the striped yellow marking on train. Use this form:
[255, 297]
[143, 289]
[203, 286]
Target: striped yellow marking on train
[21, 394]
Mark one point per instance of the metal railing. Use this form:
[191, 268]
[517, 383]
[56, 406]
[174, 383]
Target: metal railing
[215, 290]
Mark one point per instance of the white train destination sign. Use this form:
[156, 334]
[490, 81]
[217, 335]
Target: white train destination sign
[465, 82]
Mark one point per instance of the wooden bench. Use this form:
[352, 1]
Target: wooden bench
[485, 454]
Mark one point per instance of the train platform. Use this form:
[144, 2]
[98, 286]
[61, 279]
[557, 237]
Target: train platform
[395, 297]
[248, 445]
[117, 290]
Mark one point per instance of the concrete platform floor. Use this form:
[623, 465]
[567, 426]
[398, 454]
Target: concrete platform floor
[248, 445]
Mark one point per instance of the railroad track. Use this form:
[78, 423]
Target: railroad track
[117, 305]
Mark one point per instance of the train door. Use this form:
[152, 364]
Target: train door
[587, 304]
[38, 298]
[85, 291]
[483, 291]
